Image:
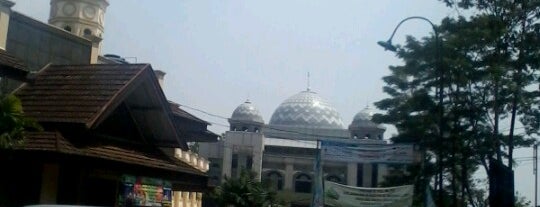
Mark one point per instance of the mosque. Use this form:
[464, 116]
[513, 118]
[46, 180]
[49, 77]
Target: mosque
[282, 151]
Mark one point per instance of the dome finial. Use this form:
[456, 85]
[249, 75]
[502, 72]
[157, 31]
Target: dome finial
[308, 86]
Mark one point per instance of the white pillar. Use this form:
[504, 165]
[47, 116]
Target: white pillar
[367, 170]
[257, 164]
[352, 169]
[177, 199]
[227, 161]
[193, 199]
[199, 199]
[289, 173]
[185, 198]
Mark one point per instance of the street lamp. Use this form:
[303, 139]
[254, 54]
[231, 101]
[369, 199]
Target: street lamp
[387, 45]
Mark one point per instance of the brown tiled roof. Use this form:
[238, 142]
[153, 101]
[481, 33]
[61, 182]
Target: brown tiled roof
[77, 93]
[54, 141]
[177, 111]
[12, 67]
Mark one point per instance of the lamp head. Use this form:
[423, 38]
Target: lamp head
[387, 45]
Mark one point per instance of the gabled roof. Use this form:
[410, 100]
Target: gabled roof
[12, 67]
[77, 93]
[197, 130]
[88, 94]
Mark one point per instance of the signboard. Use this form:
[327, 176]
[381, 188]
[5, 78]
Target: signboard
[144, 191]
[365, 153]
[338, 195]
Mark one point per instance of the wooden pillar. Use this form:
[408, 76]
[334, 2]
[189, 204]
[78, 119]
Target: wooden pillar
[49, 184]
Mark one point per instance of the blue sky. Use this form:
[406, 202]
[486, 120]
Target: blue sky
[218, 53]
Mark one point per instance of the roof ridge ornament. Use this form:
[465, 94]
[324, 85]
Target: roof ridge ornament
[308, 83]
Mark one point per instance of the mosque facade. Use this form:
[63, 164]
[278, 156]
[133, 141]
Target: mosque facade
[282, 151]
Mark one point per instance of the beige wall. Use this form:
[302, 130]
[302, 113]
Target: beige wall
[5, 11]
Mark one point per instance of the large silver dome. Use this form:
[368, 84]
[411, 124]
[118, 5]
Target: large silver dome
[306, 109]
[246, 112]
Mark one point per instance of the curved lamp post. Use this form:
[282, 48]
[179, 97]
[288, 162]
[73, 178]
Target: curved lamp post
[387, 45]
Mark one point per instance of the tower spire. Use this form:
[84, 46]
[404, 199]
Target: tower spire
[308, 85]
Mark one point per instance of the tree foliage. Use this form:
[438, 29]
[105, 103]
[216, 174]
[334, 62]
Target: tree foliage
[489, 69]
[13, 124]
[244, 191]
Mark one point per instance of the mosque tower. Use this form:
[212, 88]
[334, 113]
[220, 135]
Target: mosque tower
[363, 128]
[84, 18]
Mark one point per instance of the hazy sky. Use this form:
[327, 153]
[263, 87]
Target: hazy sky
[219, 53]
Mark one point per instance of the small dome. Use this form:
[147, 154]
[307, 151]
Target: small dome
[246, 112]
[306, 109]
[365, 114]
[363, 119]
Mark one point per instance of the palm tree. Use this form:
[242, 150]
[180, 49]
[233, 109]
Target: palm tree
[244, 191]
[13, 123]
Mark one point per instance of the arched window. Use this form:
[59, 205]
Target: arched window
[275, 180]
[245, 129]
[302, 183]
[87, 31]
[257, 129]
[333, 178]
[67, 28]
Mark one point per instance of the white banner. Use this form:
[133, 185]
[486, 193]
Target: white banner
[338, 195]
[366, 153]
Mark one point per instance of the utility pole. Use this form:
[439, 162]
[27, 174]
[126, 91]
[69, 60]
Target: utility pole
[535, 172]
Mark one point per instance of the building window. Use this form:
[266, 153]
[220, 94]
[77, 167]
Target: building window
[334, 178]
[235, 172]
[302, 183]
[87, 31]
[245, 129]
[67, 28]
[367, 136]
[234, 162]
[275, 180]
[249, 162]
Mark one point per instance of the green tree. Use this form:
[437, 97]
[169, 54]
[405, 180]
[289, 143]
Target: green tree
[244, 191]
[490, 62]
[13, 123]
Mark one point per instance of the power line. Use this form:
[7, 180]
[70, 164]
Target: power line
[204, 112]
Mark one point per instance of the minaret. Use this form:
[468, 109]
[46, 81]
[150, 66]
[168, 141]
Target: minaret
[83, 18]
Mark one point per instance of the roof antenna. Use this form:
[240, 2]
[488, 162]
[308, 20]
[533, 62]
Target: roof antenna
[308, 86]
[247, 100]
